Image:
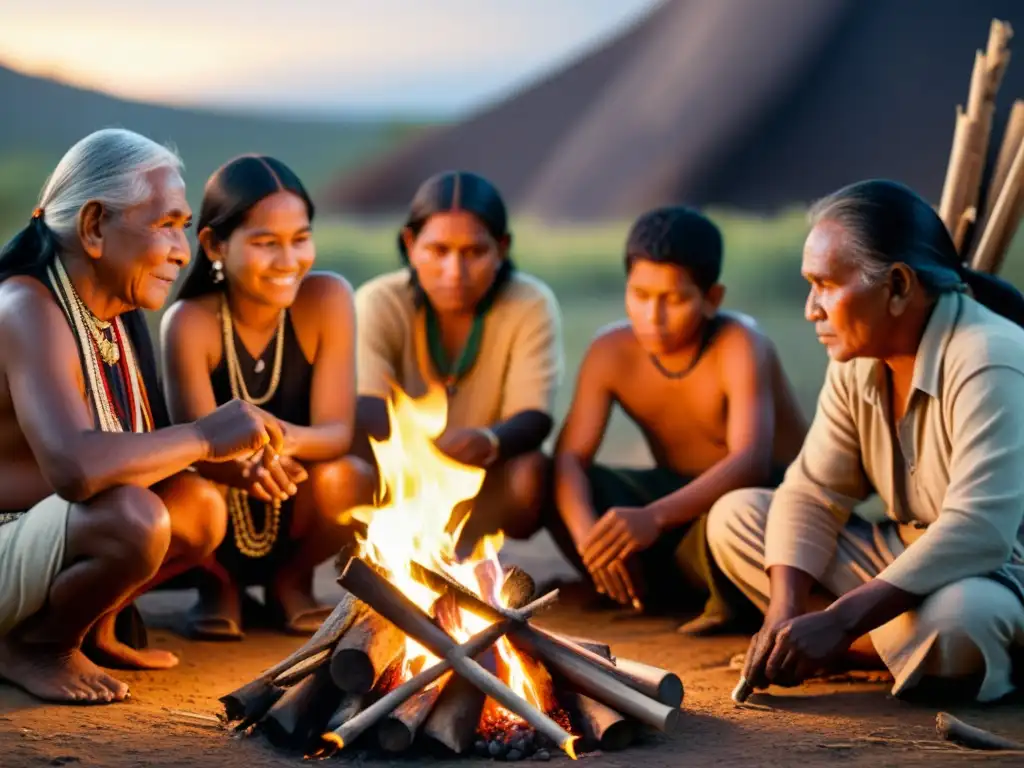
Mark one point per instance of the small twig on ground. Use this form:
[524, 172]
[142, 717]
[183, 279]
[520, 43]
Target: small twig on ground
[952, 729]
[210, 719]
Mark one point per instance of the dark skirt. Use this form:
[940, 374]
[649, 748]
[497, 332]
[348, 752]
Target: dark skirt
[678, 569]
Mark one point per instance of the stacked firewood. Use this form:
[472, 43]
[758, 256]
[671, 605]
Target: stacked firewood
[344, 686]
[983, 226]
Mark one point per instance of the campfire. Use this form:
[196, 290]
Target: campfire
[428, 651]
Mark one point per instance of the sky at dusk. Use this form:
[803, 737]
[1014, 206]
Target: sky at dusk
[331, 56]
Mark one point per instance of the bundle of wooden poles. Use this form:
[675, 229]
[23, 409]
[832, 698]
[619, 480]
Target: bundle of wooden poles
[982, 200]
[343, 687]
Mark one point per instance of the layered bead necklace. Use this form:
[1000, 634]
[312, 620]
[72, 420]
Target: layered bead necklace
[248, 540]
[116, 354]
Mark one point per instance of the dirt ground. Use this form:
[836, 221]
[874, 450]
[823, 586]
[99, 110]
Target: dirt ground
[822, 723]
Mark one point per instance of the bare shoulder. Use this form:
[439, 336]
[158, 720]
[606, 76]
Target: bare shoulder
[27, 308]
[194, 319]
[32, 326]
[613, 346]
[739, 335]
[324, 299]
[325, 289]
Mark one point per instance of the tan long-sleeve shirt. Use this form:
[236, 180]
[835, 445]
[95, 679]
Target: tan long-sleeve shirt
[953, 474]
[519, 366]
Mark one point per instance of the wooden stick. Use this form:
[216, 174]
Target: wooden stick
[597, 648]
[350, 729]
[454, 719]
[956, 169]
[952, 729]
[301, 712]
[603, 728]
[587, 678]
[364, 652]
[963, 226]
[334, 626]
[291, 676]
[474, 604]
[468, 601]
[252, 695]
[251, 702]
[348, 707]
[387, 600]
[668, 686]
[397, 731]
[1013, 134]
[1004, 219]
[457, 713]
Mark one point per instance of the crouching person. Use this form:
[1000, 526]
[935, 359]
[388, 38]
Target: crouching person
[96, 504]
[922, 404]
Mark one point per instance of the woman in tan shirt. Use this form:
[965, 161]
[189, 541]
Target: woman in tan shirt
[921, 404]
[461, 317]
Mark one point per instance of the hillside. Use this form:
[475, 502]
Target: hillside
[42, 118]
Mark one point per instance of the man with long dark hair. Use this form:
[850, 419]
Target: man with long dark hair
[96, 505]
[921, 404]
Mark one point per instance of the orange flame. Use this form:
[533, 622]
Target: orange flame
[412, 523]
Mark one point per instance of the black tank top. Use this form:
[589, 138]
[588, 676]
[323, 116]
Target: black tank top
[290, 402]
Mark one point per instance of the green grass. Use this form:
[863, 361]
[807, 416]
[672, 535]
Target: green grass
[583, 265]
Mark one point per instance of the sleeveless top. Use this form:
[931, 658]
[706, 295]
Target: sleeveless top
[291, 401]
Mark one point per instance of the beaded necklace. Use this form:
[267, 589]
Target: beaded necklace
[89, 331]
[248, 540]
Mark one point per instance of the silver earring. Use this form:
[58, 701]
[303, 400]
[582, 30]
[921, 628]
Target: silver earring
[217, 271]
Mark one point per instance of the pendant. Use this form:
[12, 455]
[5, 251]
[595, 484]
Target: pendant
[109, 351]
[260, 365]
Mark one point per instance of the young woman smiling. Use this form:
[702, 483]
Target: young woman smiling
[253, 322]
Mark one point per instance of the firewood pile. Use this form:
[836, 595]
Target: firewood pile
[350, 685]
[982, 199]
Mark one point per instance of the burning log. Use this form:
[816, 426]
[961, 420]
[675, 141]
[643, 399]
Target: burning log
[301, 712]
[603, 727]
[351, 729]
[365, 652]
[348, 707]
[247, 702]
[586, 676]
[397, 732]
[377, 591]
[532, 638]
[455, 717]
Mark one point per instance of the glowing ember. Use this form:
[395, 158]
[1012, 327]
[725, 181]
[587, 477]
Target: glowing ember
[411, 522]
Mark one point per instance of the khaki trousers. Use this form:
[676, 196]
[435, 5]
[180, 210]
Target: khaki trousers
[967, 629]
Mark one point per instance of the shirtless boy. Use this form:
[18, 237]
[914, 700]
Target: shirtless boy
[708, 393]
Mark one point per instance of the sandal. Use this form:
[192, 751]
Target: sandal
[303, 623]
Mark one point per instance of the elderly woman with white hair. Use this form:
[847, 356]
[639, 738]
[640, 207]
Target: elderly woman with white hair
[923, 405]
[96, 504]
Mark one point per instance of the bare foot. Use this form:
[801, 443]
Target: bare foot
[295, 607]
[64, 677]
[104, 648]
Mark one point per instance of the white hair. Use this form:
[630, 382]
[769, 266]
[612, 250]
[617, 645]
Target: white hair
[849, 212]
[108, 166]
